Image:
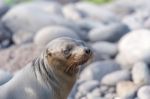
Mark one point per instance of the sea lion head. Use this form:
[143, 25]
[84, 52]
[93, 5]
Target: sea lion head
[66, 54]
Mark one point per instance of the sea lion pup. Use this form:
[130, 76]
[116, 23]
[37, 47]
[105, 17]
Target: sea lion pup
[50, 76]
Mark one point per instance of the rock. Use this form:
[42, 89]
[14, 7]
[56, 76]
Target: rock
[111, 33]
[105, 49]
[96, 12]
[124, 8]
[91, 96]
[24, 25]
[78, 95]
[88, 86]
[110, 96]
[5, 36]
[134, 47]
[3, 7]
[112, 90]
[75, 89]
[4, 76]
[143, 92]
[12, 60]
[98, 69]
[3, 10]
[66, 1]
[113, 78]
[136, 20]
[71, 12]
[87, 24]
[147, 23]
[104, 89]
[47, 34]
[96, 92]
[126, 90]
[141, 73]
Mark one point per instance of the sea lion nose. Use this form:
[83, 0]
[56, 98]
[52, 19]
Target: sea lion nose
[87, 51]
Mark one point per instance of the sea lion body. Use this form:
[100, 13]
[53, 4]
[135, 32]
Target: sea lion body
[25, 86]
[51, 75]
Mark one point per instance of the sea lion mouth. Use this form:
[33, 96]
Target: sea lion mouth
[74, 68]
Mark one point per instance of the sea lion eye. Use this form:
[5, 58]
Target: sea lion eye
[67, 51]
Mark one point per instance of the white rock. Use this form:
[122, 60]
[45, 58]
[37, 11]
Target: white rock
[141, 74]
[144, 92]
[126, 90]
[134, 47]
[115, 77]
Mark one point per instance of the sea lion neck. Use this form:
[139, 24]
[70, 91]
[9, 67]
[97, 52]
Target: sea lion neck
[53, 79]
[43, 73]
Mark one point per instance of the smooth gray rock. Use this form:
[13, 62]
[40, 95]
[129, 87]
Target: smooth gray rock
[87, 24]
[5, 36]
[96, 12]
[4, 76]
[47, 34]
[104, 89]
[147, 23]
[141, 74]
[104, 49]
[112, 89]
[124, 8]
[88, 86]
[96, 92]
[134, 47]
[110, 96]
[78, 95]
[72, 13]
[144, 92]
[111, 33]
[113, 78]
[99, 69]
[33, 17]
[136, 20]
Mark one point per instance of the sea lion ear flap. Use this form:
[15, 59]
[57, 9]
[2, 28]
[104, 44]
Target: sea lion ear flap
[48, 53]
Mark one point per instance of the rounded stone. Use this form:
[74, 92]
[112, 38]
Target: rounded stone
[111, 33]
[136, 20]
[24, 25]
[141, 73]
[88, 86]
[126, 90]
[47, 34]
[96, 12]
[71, 12]
[4, 76]
[144, 92]
[134, 47]
[113, 78]
[105, 48]
[99, 69]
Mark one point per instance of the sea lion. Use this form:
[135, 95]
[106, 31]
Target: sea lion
[51, 75]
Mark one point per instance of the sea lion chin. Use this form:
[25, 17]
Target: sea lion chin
[52, 74]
